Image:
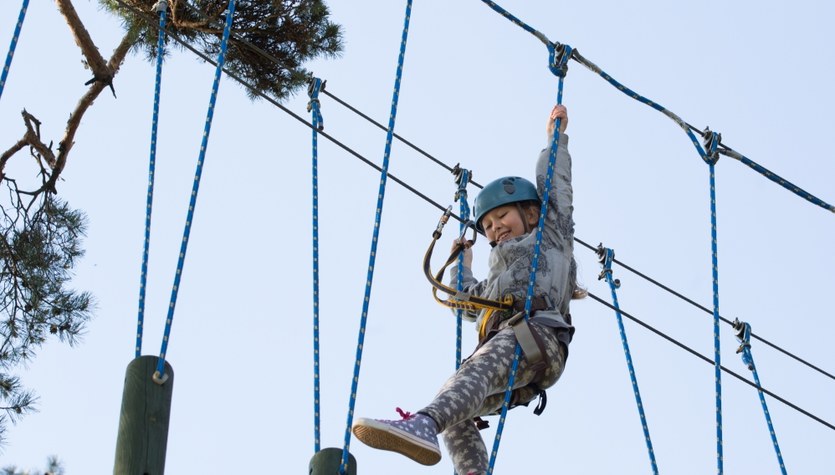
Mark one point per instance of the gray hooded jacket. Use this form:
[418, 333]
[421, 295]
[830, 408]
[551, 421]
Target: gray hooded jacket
[510, 261]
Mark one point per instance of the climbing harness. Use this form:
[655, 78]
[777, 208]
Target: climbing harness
[743, 335]
[13, 45]
[459, 299]
[605, 257]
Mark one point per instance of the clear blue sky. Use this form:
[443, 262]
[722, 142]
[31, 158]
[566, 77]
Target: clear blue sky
[476, 90]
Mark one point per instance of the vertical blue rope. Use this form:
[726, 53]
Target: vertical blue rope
[744, 336]
[318, 124]
[717, 357]
[13, 45]
[230, 13]
[143, 278]
[464, 211]
[607, 257]
[373, 254]
[543, 210]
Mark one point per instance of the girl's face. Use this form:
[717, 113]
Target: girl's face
[505, 222]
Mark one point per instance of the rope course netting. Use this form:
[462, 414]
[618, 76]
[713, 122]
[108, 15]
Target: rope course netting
[709, 148]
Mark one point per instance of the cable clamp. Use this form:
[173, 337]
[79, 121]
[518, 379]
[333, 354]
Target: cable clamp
[462, 179]
[313, 89]
[605, 256]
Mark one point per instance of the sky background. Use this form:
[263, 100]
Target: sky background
[476, 90]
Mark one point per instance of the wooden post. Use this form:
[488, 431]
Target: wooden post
[143, 423]
[326, 462]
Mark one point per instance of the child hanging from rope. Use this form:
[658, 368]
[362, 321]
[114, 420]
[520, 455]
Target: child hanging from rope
[507, 210]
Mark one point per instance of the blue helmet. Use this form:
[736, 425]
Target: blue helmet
[507, 190]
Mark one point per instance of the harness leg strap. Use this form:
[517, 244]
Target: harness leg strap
[531, 346]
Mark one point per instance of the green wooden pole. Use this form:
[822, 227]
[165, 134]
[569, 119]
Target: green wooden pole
[143, 423]
[326, 462]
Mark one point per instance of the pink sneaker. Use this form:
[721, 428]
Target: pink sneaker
[414, 436]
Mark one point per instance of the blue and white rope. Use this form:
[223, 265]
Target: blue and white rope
[21, 16]
[373, 254]
[221, 57]
[744, 337]
[607, 257]
[143, 278]
[314, 108]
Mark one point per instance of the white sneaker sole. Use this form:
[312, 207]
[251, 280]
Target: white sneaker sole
[385, 437]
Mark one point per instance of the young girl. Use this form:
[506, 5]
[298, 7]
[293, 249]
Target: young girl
[507, 210]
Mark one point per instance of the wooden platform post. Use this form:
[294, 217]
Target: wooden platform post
[327, 461]
[143, 423]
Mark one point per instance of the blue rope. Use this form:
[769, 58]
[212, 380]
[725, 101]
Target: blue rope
[606, 257]
[316, 85]
[688, 129]
[777, 179]
[13, 45]
[543, 211]
[143, 278]
[373, 254]
[717, 357]
[462, 179]
[744, 336]
[230, 13]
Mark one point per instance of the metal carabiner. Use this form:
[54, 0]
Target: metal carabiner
[469, 224]
[442, 222]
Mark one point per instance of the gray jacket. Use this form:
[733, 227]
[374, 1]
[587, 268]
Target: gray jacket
[510, 261]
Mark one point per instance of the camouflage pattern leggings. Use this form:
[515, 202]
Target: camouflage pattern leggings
[477, 389]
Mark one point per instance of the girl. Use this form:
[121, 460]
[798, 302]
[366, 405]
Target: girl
[507, 211]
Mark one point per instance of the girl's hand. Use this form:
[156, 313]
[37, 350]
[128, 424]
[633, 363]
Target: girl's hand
[468, 252]
[558, 112]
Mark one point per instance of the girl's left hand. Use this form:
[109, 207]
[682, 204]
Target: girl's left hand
[558, 112]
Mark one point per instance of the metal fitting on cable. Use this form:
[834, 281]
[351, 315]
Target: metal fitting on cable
[558, 57]
[462, 179]
[605, 256]
[743, 334]
[161, 6]
[711, 142]
[315, 86]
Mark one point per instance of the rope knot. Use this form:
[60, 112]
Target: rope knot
[711, 142]
[406, 415]
[558, 56]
